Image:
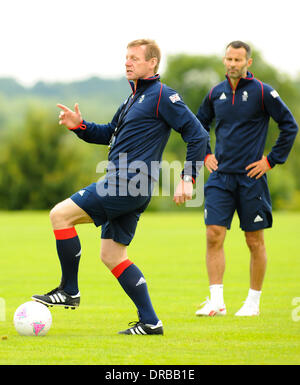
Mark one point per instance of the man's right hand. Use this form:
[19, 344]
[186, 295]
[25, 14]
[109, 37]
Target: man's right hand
[69, 118]
[211, 163]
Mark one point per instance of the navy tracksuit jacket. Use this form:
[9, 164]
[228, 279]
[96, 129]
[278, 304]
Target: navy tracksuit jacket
[242, 118]
[148, 116]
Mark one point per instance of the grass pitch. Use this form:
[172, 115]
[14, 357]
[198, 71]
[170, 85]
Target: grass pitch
[170, 250]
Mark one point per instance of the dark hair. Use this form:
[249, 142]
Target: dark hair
[240, 44]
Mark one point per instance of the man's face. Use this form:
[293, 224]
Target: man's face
[136, 65]
[236, 62]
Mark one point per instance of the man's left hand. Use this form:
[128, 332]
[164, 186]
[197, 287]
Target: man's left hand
[259, 168]
[183, 193]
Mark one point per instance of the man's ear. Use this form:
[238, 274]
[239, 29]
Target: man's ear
[153, 62]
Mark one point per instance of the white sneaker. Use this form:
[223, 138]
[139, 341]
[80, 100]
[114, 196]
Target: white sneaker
[249, 309]
[210, 310]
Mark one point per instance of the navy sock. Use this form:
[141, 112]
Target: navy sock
[69, 252]
[134, 284]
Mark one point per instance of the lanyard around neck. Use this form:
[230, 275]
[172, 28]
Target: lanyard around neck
[124, 111]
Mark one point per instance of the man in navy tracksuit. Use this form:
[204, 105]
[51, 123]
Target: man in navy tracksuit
[241, 106]
[136, 136]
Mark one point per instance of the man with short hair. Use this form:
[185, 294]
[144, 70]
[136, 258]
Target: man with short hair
[241, 107]
[136, 137]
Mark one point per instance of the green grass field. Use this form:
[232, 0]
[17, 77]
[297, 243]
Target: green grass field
[170, 250]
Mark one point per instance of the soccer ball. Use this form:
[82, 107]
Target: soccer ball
[32, 319]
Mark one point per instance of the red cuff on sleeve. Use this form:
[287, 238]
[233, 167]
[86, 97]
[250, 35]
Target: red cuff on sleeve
[81, 126]
[268, 162]
[193, 179]
[206, 157]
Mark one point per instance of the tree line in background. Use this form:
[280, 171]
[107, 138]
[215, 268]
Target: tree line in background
[42, 163]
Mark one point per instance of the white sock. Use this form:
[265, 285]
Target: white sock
[254, 296]
[216, 294]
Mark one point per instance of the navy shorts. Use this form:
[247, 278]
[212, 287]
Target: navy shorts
[225, 193]
[118, 215]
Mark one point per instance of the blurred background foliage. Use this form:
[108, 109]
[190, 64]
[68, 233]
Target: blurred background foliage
[42, 163]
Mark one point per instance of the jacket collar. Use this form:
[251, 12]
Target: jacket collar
[144, 82]
[242, 81]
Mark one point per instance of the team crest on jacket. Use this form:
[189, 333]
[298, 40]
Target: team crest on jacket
[275, 94]
[223, 96]
[245, 96]
[174, 98]
[141, 99]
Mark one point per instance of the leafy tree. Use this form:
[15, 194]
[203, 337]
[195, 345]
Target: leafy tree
[41, 164]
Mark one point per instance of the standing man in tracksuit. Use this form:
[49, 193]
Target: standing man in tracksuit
[241, 107]
[137, 136]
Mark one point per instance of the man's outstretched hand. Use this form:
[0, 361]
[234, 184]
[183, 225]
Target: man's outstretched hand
[69, 118]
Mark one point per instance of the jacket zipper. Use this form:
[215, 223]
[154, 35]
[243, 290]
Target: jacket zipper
[136, 86]
[233, 89]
